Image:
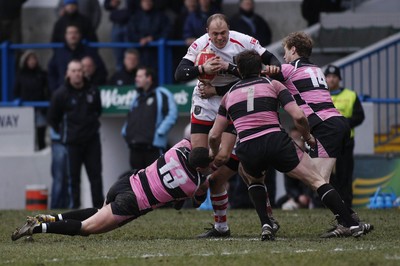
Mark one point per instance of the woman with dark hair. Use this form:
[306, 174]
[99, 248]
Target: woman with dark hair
[31, 85]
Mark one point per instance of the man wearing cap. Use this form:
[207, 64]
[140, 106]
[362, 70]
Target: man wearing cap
[72, 16]
[348, 104]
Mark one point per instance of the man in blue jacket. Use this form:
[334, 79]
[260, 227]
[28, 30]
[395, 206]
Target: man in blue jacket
[151, 117]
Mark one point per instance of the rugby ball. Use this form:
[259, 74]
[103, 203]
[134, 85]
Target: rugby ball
[201, 58]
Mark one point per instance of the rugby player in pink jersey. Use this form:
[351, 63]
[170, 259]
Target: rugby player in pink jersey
[252, 105]
[226, 44]
[306, 82]
[176, 175]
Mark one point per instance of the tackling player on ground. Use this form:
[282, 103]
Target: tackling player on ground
[176, 175]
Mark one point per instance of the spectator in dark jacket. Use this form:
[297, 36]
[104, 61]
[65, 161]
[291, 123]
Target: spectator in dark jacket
[10, 20]
[31, 85]
[73, 17]
[248, 22]
[126, 76]
[120, 14]
[73, 49]
[74, 114]
[89, 8]
[196, 22]
[147, 25]
[150, 118]
[92, 73]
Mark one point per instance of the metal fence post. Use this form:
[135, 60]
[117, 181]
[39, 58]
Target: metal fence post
[161, 62]
[4, 71]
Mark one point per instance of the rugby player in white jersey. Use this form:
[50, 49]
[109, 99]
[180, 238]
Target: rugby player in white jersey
[206, 99]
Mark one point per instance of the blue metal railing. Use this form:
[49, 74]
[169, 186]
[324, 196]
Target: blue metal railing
[8, 62]
[373, 74]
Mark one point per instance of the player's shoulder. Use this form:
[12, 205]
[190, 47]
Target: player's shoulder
[200, 43]
[244, 39]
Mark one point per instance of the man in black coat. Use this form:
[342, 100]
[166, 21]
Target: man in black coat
[248, 22]
[74, 114]
[73, 49]
[73, 17]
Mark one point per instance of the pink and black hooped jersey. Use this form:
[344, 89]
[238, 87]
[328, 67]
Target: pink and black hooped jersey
[306, 82]
[167, 179]
[252, 104]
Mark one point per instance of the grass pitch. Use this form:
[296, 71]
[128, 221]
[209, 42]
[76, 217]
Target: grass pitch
[168, 237]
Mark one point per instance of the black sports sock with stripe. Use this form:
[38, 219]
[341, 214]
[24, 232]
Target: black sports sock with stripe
[66, 227]
[258, 195]
[79, 215]
[331, 198]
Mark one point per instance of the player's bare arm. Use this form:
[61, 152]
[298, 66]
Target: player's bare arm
[214, 137]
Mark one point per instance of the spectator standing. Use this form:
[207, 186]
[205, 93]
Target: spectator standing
[248, 22]
[73, 17]
[60, 197]
[348, 104]
[189, 7]
[89, 8]
[120, 14]
[31, 85]
[10, 20]
[92, 73]
[73, 49]
[147, 25]
[10, 23]
[177, 34]
[151, 117]
[126, 76]
[196, 22]
[74, 114]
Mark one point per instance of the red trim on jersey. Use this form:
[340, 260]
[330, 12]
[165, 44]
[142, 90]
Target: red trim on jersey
[237, 42]
[194, 120]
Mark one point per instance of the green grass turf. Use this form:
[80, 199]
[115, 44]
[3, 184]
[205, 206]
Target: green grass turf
[167, 237]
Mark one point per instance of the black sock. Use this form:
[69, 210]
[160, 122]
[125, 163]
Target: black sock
[79, 215]
[65, 227]
[258, 195]
[331, 198]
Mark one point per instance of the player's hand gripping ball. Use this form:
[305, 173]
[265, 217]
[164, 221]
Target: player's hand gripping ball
[201, 58]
